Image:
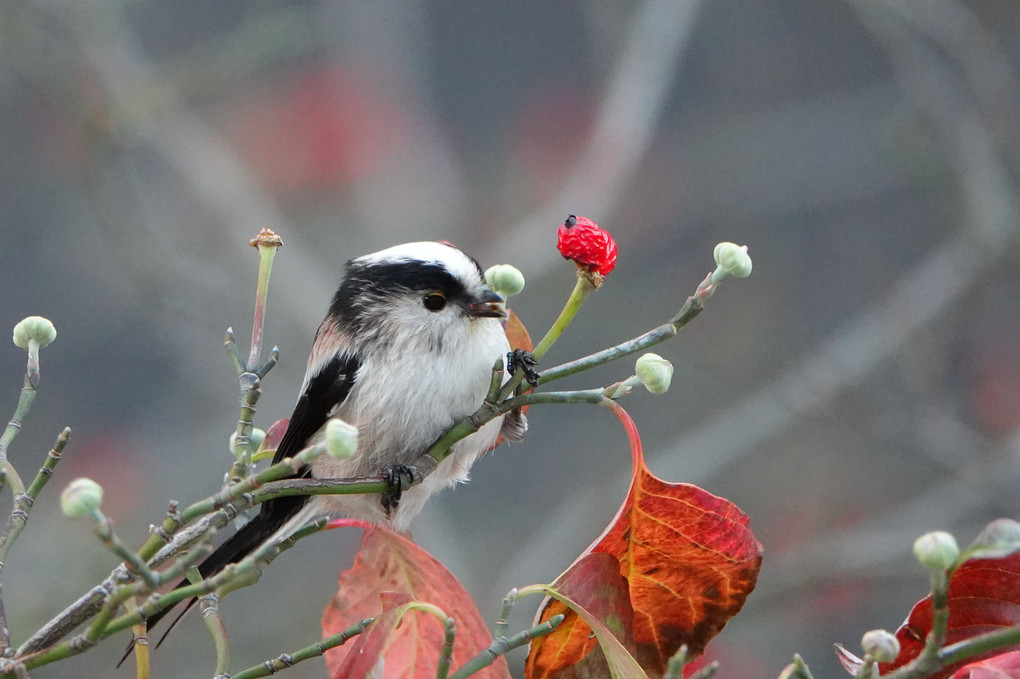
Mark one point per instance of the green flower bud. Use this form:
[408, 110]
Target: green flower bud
[999, 539]
[34, 328]
[341, 439]
[655, 373]
[257, 437]
[882, 646]
[81, 497]
[505, 280]
[937, 550]
[731, 260]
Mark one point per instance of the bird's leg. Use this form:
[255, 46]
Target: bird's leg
[394, 476]
[522, 358]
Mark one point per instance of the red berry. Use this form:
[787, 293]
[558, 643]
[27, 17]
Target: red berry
[592, 248]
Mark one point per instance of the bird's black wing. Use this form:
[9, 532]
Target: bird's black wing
[326, 390]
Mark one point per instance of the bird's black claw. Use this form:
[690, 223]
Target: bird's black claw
[522, 358]
[394, 476]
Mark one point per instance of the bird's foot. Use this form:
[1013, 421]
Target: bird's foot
[397, 476]
[522, 358]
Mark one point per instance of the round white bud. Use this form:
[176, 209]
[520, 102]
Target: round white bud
[505, 280]
[34, 328]
[881, 645]
[937, 550]
[341, 439]
[81, 497]
[257, 437]
[733, 259]
[655, 373]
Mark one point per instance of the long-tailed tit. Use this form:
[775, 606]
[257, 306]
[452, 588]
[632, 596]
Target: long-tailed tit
[406, 350]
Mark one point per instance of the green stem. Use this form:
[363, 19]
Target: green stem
[675, 664]
[582, 289]
[309, 486]
[503, 622]
[502, 646]
[930, 659]
[7, 470]
[235, 354]
[23, 502]
[990, 641]
[210, 607]
[233, 496]
[315, 650]
[135, 564]
[446, 652]
[267, 243]
[250, 392]
[439, 450]
[693, 306]
[939, 613]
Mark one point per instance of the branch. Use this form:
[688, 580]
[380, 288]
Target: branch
[503, 645]
[651, 51]
[315, 650]
[18, 519]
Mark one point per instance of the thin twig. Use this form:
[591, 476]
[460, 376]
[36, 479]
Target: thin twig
[503, 645]
[23, 503]
[446, 651]
[315, 650]
[210, 607]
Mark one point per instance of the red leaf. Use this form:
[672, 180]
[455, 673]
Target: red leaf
[390, 563]
[984, 595]
[1004, 666]
[275, 434]
[369, 647]
[689, 561]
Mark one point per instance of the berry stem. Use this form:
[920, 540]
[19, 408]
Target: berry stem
[582, 289]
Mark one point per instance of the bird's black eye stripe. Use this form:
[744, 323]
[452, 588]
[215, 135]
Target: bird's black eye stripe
[365, 284]
[434, 301]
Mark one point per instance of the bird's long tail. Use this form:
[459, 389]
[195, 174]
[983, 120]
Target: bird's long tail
[274, 516]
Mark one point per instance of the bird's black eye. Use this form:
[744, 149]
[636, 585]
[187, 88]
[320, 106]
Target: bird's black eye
[434, 301]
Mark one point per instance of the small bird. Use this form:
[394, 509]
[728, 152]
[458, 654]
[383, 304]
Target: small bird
[405, 351]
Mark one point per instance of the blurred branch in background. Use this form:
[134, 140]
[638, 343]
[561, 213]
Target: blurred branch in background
[635, 94]
[922, 294]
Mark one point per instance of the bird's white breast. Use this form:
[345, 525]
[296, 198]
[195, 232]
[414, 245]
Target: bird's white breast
[402, 401]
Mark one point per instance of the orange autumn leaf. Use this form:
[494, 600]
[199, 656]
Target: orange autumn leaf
[389, 571]
[592, 595]
[689, 560]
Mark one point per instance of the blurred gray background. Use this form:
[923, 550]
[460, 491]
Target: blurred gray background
[862, 387]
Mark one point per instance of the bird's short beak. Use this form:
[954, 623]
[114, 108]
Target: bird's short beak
[490, 305]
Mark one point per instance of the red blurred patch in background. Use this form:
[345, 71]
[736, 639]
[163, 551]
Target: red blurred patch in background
[995, 384]
[548, 130]
[112, 461]
[317, 129]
